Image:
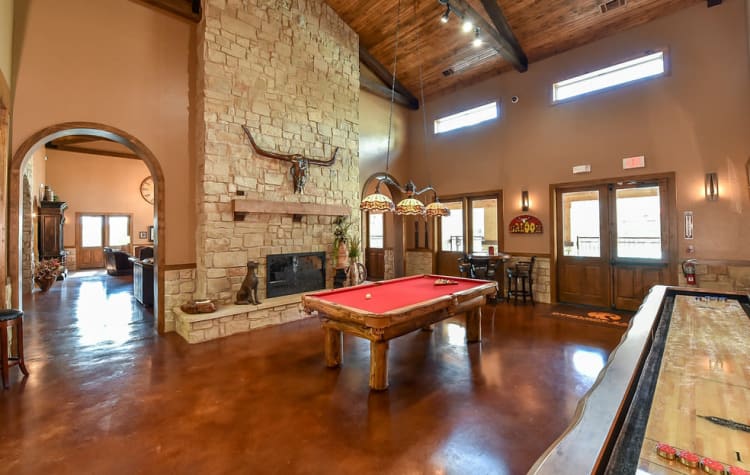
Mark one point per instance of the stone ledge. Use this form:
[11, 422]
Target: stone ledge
[232, 319]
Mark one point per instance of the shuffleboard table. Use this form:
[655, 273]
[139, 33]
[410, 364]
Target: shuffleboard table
[381, 311]
[674, 396]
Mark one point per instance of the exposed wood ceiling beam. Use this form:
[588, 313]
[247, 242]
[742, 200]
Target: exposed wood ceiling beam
[387, 77]
[502, 39]
[187, 9]
[501, 24]
[91, 151]
[385, 92]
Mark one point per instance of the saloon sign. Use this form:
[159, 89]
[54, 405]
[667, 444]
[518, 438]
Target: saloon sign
[525, 224]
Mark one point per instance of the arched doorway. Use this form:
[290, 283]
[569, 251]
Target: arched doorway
[15, 198]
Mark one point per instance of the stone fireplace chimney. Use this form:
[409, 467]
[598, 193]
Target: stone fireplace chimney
[289, 71]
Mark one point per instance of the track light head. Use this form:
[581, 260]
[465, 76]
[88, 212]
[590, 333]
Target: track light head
[467, 25]
[446, 16]
[477, 39]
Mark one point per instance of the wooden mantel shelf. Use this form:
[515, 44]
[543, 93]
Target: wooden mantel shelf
[242, 206]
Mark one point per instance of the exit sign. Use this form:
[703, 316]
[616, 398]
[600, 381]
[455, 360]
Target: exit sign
[633, 162]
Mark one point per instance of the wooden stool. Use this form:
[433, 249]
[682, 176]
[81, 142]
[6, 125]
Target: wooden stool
[521, 274]
[8, 318]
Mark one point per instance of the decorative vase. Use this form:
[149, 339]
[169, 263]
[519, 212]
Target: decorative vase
[44, 283]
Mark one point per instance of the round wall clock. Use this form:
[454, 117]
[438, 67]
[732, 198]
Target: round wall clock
[147, 189]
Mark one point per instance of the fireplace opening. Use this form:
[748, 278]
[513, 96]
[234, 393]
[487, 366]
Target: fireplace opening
[295, 273]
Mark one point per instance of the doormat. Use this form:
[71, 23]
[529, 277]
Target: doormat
[596, 316]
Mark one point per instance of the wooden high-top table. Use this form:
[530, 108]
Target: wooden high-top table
[395, 307]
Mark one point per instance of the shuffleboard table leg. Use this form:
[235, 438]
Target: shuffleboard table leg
[334, 347]
[474, 325]
[378, 365]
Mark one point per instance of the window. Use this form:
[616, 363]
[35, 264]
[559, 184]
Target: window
[452, 228]
[484, 224]
[646, 66]
[376, 230]
[638, 222]
[119, 230]
[91, 231]
[581, 224]
[466, 118]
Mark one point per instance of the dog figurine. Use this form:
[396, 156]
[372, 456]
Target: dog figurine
[248, 293]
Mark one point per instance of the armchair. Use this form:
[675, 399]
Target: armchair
[117, 262]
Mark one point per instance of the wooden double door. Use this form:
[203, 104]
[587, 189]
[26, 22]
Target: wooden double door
[614, 241]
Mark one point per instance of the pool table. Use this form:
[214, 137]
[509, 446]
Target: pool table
[676, 388]
[381, 311]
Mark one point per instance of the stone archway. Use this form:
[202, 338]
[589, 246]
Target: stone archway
[15, 199]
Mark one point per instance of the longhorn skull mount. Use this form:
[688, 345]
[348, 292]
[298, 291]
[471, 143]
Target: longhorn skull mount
[300, 163]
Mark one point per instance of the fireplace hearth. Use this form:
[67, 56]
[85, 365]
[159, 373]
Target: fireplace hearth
[295, 273]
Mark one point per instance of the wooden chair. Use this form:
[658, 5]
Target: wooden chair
[11, 318]
[521, 280]
[464, 266]
[480, 267]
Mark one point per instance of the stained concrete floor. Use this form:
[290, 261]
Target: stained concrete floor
[106, 395]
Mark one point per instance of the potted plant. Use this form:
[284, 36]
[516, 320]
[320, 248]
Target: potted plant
[340, 239]
[46, 272]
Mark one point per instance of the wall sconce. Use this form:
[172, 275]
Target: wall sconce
[524, 200]
[712, 187]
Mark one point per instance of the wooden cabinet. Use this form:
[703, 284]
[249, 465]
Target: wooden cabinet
[143, 283]
[51, 217]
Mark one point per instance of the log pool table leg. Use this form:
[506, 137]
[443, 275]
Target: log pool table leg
[334, 347]
[378, 365]
[474, 325]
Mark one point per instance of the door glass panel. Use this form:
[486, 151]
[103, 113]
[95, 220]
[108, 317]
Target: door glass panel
[484, 224]
[91, 231]
[581, 224]
[119, 230]
[638, 222]
[376, 230]
[452, 228]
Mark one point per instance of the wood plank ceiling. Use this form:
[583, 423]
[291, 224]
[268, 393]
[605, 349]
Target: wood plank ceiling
[543, 28]
[538, 29]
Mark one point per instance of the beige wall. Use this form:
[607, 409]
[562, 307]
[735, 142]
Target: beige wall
[6, 39]
[121, 64]
[694, 120]
[373, 129]
[110, 185]
[39, 172]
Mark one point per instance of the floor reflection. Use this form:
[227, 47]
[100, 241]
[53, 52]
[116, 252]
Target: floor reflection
[103, 318]
[588, 363]
[465, 451]
[456, 334]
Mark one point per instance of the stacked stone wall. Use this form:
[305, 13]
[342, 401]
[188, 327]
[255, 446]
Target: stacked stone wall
[289, 71]
[418, 262]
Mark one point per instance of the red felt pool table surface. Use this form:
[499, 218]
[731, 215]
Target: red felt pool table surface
[392, 295]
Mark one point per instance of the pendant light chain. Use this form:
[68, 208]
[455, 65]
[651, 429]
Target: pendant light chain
[421, 97]
[393, 87]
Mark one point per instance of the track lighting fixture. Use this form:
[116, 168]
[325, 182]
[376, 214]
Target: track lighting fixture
[446, 16]
[467, 25]
[477, 39]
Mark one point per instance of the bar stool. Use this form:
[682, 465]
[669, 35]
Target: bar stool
[11, 318]
[521, 274]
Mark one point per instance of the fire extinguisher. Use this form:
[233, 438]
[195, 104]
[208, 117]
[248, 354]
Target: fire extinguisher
[688, 268]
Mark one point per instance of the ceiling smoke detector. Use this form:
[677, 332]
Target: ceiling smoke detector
[609, 5]
[468, 58]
